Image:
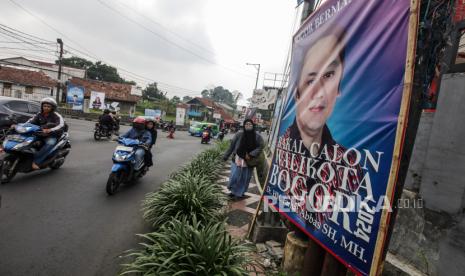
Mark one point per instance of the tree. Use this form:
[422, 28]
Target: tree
[130, 82]
[151, 92]
[103, 72]
[175, 100]
[221, 95]
[95, 71]
[76, 62]
[205, 93]
[185, 99]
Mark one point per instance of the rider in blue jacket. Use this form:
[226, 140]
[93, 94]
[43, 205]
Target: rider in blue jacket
[139, 132]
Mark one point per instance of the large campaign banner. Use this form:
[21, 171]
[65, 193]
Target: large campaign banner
[263, 98]
[97, 100]
[181, 116]
[334, 167]
[75, 96]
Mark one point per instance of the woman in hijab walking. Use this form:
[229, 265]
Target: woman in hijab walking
[245, 147]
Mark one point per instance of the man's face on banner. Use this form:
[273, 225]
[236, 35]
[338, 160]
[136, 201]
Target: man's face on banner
[318, 84]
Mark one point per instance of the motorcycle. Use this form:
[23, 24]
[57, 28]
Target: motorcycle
[171, 131]
[20, 146]
[124, 170]
[205, 137]
[101, 131]
[116, 126]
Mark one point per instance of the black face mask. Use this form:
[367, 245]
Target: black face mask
[138, 126]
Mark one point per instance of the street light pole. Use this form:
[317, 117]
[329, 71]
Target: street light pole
[257, 66]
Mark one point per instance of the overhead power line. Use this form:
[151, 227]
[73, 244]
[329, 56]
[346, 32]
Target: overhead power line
[89, 53]
[15, 36]
[28, 36]
[77, 52]
[25, 49]
[165, 28]
[19, 42]
[169, 41]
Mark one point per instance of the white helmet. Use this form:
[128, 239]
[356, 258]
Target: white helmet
[49, 101]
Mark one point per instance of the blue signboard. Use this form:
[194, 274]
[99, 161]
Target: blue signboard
[75, 96]
[155, 113]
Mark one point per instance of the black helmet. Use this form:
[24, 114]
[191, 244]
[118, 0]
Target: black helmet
[106, 111]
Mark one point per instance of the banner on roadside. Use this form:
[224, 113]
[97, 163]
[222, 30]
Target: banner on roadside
[180, 116]
[263, 98]
[75, 96]
[97, 100]
[340, 129]
[155, 113]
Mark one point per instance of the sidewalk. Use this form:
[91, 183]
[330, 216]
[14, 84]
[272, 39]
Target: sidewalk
[240, 212]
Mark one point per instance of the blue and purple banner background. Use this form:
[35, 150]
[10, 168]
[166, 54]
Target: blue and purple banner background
[365, 115]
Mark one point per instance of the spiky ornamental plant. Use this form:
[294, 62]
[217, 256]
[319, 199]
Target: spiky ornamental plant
[189, 195]
[206, 163]
[189, 192]
[189, 248]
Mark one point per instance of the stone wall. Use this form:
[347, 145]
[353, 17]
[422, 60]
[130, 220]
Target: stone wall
[431, 234]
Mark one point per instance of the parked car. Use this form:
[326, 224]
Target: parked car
[15, 110]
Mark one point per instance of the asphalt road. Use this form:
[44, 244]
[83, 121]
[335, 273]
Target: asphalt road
[63, 223]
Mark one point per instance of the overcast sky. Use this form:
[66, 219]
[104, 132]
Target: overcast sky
[191, 44]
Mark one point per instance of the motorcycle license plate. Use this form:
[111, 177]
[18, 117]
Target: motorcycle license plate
[15, 138]
[123, 148]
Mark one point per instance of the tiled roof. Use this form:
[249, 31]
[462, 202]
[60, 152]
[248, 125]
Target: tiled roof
[26, 77]
[182, 105]
[216, 107]
[206, 102]
[43, 63]
[113, 91]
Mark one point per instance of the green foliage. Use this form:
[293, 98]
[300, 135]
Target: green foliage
[101, 71]
[222, 95]
[153, 98]
[185, 99]
[175, 100]
[189, 247]
[182, 198]
[152, 92]
[95, 71]
[191, 238]
[76, 62]
[190, 191]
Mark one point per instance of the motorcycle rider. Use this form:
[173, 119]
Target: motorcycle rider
[47, 117]
[150, 126]
[116, 120]
[139, 132]
[221, 134]
[106, 120]
[210, 131]
[171, 129]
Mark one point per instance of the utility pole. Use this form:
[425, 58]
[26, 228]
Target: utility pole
[60, 42]
[257, 66]
[308, 8]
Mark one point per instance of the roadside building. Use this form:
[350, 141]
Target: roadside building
[117, 96]
[26, 84]
[202, 109]
[50, 69]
